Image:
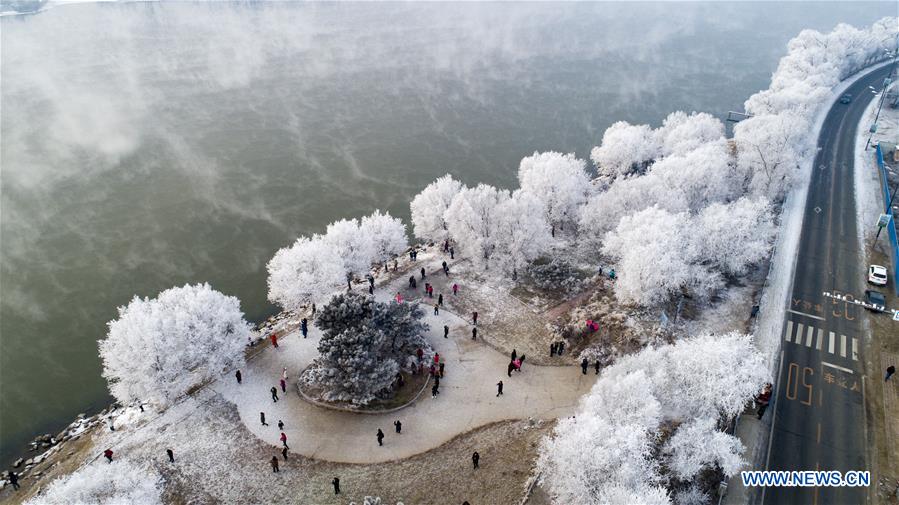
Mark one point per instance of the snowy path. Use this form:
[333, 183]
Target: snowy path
[467, 397]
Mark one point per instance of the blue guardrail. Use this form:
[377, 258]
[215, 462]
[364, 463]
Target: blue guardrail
[887, 210]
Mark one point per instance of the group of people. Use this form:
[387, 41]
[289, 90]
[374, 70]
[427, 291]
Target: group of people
[515, 363]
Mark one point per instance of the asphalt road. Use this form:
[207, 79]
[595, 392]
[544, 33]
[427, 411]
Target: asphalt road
[818, 413]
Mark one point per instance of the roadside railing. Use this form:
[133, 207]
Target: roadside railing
[891, 227]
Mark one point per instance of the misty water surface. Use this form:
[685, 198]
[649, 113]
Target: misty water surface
[150, 145]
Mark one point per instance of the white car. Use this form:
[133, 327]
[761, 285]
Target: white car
[877, 275]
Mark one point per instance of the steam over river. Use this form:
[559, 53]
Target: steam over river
[149, 145]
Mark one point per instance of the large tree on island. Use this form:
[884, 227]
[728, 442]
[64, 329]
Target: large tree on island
[304, 273]
[363, 346]
[158, 349]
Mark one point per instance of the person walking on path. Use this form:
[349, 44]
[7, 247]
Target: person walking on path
[283, 438]
[371, 290]
[411, 282]
[284, 453]
[445, 269]
[517, 364]
[499, 388]
[280, 425]
[274, 339]
[435, 389]
[398, 297]
[436, 309]
[171, 455]
[762, 400]
[283, 385]
[284, 373]
[440, 299]
[441, 369]
[584, 365]
[108, 455]
[514, 354]
[422, 273]
[890, 371]
[313, 311]
[445, 246]
[596, 366]
[436, 358]
[238, 376]
[474, 318]
[274, 392]
[262, 418]
[455, 289]
[475, 459]
[428, 289]
[445, 331]
[304, 327]
[14, 480]
[336, 484]
[274, 463]
[380, 437]
[399, 426]
[552, 349]
[452, 252]
[560, 347]
[510, 368]
[474, 333]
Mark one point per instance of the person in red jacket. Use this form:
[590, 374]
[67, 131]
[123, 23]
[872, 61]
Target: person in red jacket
[108, 454]
[284, 440]
[763, 399]
[274, 338]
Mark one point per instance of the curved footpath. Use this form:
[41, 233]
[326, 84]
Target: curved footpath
[467, 397]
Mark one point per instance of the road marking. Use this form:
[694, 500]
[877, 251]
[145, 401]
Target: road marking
[820, 339]
[854, 349]
[830, 345]
[842, 345]
[788, 334]
[798, 339]
[810, 332]
[831, 365]
[806, 315]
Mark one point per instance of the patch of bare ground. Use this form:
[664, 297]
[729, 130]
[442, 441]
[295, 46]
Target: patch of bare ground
[218, 461]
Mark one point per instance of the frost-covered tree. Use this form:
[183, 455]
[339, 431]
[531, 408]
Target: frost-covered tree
[693, 179]
[655, 258]
[559, 182]
[522, 230]
[734, 236]
[387, 233]
[363, 346]
[625, 149]
[769, 152]
[158, 349]
[681, 133]
[429, 206]
[304, 273]
[104, 484]
[698, 444]
[609, 450]
[353, 245]
[471, 220]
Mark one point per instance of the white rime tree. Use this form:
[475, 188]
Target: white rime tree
[655, 258]
[471, 218]
[522, 230]
[610, 451]
[363, 346]
[559, 181]
[304, 273]
[734, 236]
[388, 235]
[429, 206]
[681, 133]
[768, 155]
[104, 484]
[160, 348]
[624, 150]
[354, 246]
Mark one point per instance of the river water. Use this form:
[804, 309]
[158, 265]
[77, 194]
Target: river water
[149, 145]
